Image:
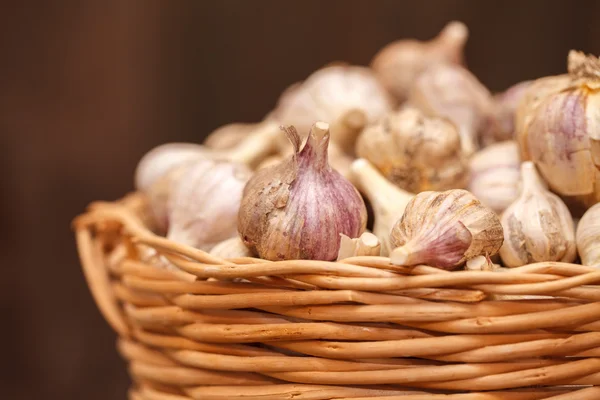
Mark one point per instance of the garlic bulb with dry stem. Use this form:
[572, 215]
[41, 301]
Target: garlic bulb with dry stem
[347, 97]
[399, 63]
[563, 135]
[415, 152]
[451, 91]
[504, 107]
[228, 136]
[204, 203]
[296, 209]
[537, 225]
[588, 236]
[445, 229]
[495, 174]
[388, 201]
[231, 248]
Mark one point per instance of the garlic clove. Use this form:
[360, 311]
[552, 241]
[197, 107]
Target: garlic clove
[415, 152]
[345, 96]
[228, 136]
[495, 174]
[399, 63]
[231, 248]
[444, 229]
[588, 236]
[387, 200]
[365, 245]
[537, 225]
[296, 209]
[204, 203]
[451, 91]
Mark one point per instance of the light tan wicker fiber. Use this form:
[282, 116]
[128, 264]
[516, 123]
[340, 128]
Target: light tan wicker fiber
[357, 329]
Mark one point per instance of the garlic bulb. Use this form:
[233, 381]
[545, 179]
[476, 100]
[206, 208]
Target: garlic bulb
[297, 208]
[415, 152]
[451, 91]
[588, 236]
[504, 107]
[228, 136]
[399, 63]
[537, 225]
[347, 97]
[445, 229]
[204, 203]
[365, 245]
[388, 201]
[495, 174]
[563, 135]
[231, 248]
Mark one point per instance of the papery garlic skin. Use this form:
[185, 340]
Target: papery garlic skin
[297, 208]
[451, 91]
[415, 152]
[495, 175]
[388, 201]
[445, 229]
[346, 97]
[588, 237]
[204, 204]
[537, 225]
[399, 63]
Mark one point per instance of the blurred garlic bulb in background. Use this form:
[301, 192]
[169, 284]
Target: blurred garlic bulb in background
[228, 136]
[388, 201]
[504, 107]
[346, 97]
[297, 209]
[495, 175]
[231, 248]
[415, 152]
[562, 137]
[445, 229]
[399, 63]
[537, 225]
[204, 203]
[451, 91]
[588, 236]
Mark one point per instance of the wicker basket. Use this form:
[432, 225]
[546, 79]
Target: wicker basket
[361, 329]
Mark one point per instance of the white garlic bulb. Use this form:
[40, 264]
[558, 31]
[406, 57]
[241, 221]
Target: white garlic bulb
[205, 202]
[495, 175]
[346, 97]
[231, 248]
[445, 229]
[588, 236]
[537, 225]
[415, 152]
[451, 91]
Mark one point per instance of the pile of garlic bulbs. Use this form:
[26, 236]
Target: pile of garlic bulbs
[453, 174]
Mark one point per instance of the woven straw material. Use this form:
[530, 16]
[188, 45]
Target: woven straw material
[357, 329]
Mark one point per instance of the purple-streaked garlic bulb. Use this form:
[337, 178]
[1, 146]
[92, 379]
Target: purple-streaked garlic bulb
[399, 63]
[445, 229]
[563, 135]
[505, 107]
[298, 208]
[346, 97]
[158, 169]
[451, 91]
[204, 203]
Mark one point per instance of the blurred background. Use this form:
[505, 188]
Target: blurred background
[86, 88]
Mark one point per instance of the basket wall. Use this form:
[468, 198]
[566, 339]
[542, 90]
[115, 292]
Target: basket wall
[358, 329]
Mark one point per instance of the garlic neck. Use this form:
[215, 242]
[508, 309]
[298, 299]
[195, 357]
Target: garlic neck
[314, 153]
[583, 66]
[531, 180]
[259, 143]
[452, 38]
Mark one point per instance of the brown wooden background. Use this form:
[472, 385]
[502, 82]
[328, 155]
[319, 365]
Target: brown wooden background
[87, 87]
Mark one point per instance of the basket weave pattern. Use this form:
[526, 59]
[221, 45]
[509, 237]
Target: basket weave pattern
[358, 329]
